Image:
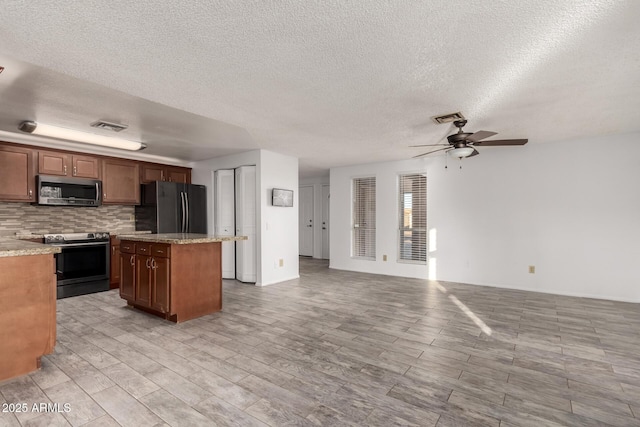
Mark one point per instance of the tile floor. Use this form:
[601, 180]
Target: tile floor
[342, 348]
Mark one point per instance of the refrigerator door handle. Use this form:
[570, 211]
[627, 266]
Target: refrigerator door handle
[183, 211]
[186, 196]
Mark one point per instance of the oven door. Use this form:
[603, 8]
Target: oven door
[82, 262]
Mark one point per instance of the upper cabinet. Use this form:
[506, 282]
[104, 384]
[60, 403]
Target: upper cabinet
[121, 178]
[65, 164]
[17, 174]
[120, 182]
[150, 172]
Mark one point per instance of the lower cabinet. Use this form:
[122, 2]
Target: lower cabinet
[114, 261]
[178, 282]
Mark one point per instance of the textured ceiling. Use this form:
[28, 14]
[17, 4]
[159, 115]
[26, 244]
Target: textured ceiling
[331, 82]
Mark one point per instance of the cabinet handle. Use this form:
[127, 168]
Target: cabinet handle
[162, 175]
[30, 193]
[64, 169]
[153, 263]
[131, 260]
[74, 171]
[113, 249]
[148, 259]
[104, 196]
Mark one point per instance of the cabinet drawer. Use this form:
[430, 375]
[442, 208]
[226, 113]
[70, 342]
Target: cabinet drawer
[160, 250]
[127, 248]
[143, 248]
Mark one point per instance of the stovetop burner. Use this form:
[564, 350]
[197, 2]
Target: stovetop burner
[70, 238]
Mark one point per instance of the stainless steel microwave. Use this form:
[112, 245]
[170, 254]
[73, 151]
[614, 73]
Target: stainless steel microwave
[63, 191]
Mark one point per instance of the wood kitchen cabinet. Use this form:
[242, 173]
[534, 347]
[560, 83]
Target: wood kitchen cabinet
[114, 269]
[66, 164]
[120, 182]
[127, 270]
[151, 172]
[175, 281]
[17, 174]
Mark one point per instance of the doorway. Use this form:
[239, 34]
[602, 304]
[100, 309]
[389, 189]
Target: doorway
[305, 221]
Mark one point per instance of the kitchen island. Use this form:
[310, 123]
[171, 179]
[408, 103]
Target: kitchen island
[27, 305]
[177, 276]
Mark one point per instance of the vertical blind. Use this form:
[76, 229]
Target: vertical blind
[364, 217]
[413, 218]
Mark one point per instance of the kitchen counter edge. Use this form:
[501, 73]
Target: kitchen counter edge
[15, 247]
[179, 239]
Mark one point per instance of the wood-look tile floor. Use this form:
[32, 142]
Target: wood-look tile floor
[343, 348]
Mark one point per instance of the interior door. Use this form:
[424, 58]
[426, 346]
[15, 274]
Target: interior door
[224, 219]
[325, 221]
[246, 269]
[305, 221]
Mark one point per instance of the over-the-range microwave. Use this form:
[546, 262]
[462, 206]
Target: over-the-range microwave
[63, 191]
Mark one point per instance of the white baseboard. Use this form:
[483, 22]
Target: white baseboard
[279, 281]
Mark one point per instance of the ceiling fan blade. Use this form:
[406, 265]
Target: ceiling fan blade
[434, 151]
[428, 145]
[475, 153]
[498, 142]
[481, 134]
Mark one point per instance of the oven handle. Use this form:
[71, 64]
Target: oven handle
[76, 245]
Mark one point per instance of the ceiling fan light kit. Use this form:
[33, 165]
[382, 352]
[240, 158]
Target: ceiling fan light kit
[51, 131]
[461, 152]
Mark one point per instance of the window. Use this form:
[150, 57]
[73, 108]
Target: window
[364, 218]
[413, 218]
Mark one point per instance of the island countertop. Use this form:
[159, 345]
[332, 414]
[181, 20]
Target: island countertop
[15, 247]
[179, 238]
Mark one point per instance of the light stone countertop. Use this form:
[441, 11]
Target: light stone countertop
[179, 238]
[10, 246]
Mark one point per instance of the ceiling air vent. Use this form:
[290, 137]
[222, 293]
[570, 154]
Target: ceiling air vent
[115, 127]
[448, 118]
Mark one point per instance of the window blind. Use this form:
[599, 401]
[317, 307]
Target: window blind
[364, 218]
[412, 206]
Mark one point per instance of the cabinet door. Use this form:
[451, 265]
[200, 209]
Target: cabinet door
[114, 276]
[120, 182]
[181, 175]
[17, 174]
[127, 276]
[85, 167]
[53, 163]
[152, 173]
[143, 280]
[160, 284]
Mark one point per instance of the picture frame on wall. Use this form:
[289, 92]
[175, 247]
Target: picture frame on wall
[281, 197]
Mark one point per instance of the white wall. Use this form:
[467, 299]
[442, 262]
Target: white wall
[316, 183]
[386, 218]
[277, 228]
[570, 208]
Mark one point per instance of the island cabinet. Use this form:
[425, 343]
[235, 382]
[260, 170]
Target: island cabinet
[120, 182]
[151, 172]
[27, 309]
[68, 164]
[176, 281]
[17, 174]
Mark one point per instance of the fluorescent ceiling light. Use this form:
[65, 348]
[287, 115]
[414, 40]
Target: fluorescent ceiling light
[461, 152]
[78, 136]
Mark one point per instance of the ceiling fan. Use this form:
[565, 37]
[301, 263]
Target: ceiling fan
[463, 144]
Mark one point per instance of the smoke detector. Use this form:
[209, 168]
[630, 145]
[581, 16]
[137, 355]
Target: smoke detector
[115, 127]
[448, 118]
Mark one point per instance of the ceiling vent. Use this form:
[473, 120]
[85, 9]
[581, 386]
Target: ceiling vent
[115, 127]
[448, 118]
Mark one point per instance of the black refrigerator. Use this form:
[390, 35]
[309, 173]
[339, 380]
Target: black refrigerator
[172, 207]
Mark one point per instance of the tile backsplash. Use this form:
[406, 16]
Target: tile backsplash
[24, 218]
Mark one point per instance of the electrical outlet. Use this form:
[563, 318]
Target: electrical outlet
[132, 217]
[384, 257]
[532, 269]
[281, 262]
